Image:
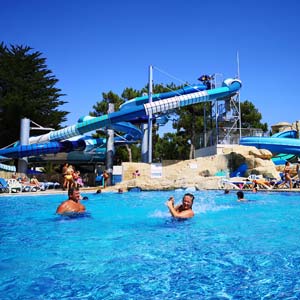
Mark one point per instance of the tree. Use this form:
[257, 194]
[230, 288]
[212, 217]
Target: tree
[101, 107]
[172, 146]
[190, 122]
[251, 117]
[130, 93]
[127, 153]
[27, 89]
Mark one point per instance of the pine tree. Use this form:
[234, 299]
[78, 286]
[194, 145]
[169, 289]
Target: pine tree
[27, 90]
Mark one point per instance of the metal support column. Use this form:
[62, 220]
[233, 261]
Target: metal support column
[145, 147]
[238, 94]
[24, 140]
[110, 148]
[150, 117]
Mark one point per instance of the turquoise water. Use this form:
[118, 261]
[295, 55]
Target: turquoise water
[128, 247]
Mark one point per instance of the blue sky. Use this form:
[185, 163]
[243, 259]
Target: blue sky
[97, 46]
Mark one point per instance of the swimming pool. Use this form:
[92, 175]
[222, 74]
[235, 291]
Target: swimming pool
[128, 247]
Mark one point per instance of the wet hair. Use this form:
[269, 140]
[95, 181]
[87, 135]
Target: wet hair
[226, 191]
[240, 194]
[71, 190]
[190, 195]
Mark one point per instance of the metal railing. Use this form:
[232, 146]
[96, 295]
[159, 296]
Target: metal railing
[227, 135]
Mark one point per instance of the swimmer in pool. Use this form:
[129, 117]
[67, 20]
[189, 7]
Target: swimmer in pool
[72, 205]
[240, 196]
[183, 210]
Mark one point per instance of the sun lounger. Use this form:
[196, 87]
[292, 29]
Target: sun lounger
[259, 181]
[31, 186]
[237, 183]
[27, 187]
[296, 184]
[4, 188]
[225, 183]
[51, 185]
[14, 185]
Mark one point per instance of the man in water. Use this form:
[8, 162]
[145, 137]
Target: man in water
[72, 205]
[240, 196]
[184, 210]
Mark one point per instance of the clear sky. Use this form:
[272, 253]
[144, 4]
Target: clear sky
[96, 46]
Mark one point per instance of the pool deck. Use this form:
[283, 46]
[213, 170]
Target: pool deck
[50, 192]
[91, 190]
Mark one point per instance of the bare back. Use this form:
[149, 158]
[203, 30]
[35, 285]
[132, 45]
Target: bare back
[70, 206]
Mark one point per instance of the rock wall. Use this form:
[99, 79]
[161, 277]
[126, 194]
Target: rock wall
[199, 173]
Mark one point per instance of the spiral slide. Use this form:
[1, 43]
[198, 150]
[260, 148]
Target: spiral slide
[280, 143]
[133, 111]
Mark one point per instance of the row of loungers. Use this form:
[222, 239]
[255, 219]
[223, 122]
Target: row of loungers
[256, 181]
[14, 186]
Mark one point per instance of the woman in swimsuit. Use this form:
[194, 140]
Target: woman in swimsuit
[287, 175]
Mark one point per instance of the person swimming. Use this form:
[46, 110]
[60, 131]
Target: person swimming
[72, 205]
[183, 210]
[240, 196]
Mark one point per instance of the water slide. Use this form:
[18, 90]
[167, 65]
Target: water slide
[280, 143]
[132, 111]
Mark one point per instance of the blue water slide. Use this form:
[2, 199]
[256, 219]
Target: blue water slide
[59, 140]
[284, 142]
[37, 149]
[81, 144]
[160, 96]
[281, 158]
[286, 134]
[229, 88]
[127, 113]
[131, 131]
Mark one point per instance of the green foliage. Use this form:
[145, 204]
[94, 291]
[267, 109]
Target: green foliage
[101, 107]
[172, 146]
[190, 122]
[27, 89]
[122, 154]
[51, 168]
[130, 93]
[251, 117]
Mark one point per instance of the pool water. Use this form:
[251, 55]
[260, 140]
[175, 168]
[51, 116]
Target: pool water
[128, 247]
